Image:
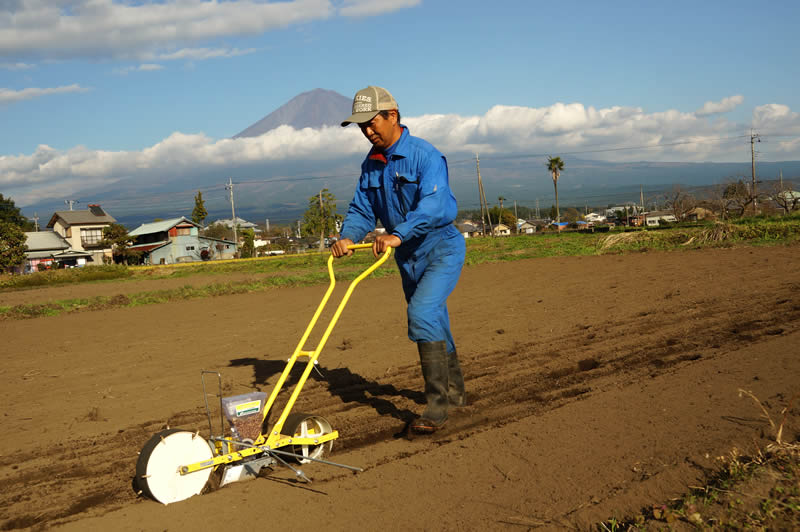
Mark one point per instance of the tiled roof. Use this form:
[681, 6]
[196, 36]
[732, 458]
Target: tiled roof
[45, 241]
[94, 215]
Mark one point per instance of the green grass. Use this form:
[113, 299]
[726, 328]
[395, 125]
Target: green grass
[311, 269]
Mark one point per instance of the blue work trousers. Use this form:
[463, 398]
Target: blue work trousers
[427, 282]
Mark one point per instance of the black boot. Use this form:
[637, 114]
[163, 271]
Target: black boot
[433, 359]
[455, 393]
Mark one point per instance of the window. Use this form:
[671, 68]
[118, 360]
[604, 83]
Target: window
[90, 237]
[189, 248]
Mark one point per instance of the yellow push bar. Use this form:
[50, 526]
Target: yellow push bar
[313, 355]
[275, 439]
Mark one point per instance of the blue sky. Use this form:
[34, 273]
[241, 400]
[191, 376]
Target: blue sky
[99, 92]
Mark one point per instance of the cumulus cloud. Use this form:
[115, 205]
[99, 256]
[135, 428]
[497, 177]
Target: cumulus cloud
[722, 106]
[614, 134]
[142, 30]
[13, 96]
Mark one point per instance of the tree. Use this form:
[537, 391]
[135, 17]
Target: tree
[199, 212]
[786, 198]
[12, 246]
[680, 202]
[248, 244]
[10, 213]
[218, 231]
[553, 212]
[738, 196]
[555, 166]
[115, 236]
[320, 218]
[571, 214]
[505, 217]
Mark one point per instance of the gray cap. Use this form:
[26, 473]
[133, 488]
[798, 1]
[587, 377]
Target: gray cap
[368, 102]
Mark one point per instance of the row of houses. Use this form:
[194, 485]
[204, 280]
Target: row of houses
[75, 239]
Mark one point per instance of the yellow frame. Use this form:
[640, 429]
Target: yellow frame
[275, 439]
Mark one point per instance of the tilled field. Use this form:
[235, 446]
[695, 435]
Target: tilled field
[596, 386]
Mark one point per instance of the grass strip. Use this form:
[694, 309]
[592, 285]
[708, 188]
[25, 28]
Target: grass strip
[311, 269]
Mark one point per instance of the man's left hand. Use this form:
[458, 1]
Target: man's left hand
[384, 242]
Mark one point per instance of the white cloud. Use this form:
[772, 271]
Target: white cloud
[722, 106]
[201, 54]
[66, 29]
[604, 134]
[13, 96]
[16, 66]
[368, 8]
[144, 67]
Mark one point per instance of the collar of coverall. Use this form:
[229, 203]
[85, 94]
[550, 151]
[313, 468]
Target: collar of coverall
[381, 155]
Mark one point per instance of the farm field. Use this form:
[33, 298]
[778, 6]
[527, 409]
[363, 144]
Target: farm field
[597, 386]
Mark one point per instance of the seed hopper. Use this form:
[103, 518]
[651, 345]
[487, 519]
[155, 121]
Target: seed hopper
[176, 464]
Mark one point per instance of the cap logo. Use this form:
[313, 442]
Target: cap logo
[362, 103]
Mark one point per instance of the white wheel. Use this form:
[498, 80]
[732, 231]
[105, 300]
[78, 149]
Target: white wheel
[308, 426]
[157, 470]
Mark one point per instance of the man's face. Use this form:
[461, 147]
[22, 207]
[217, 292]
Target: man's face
[380, 131]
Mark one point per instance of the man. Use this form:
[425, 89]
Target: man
[404, 184]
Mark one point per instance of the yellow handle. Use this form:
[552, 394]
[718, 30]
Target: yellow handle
[313, 355]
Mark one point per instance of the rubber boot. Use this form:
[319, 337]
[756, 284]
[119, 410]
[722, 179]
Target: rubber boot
[433, 359]
[455, 392]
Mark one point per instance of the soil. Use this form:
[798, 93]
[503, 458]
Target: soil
[597, 386]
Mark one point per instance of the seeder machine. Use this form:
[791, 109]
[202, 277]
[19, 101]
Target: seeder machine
[176, 464]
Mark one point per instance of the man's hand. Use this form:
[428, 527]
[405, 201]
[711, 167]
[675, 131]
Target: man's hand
[384, 242]
[339, 248]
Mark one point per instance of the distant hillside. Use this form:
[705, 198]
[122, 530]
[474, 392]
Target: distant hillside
[315, 109]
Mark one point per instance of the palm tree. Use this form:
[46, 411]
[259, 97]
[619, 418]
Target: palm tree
[555, 165]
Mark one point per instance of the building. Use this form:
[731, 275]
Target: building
[654, 219]
[177, 240]
[83, 230]
[48, 249]
[501, 230]
[468, 230]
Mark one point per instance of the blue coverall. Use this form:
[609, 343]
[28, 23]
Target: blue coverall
[409, 193]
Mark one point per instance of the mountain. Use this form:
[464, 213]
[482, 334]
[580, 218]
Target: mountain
[315, 108]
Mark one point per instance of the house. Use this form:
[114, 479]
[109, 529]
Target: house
[83, 230]
[177, 240]
[700, 213]
[240, 224]
[595, 218]
[527, 228]
[48, 249]
[468, 230]
[654, 218]
[501, 230]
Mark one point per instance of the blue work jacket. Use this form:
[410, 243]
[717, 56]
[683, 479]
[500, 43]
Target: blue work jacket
[410, 195]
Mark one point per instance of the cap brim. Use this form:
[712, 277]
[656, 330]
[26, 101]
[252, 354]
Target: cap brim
[359, 118]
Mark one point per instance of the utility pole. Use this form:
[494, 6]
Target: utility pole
[538, 216]
[322, 224]
[229, 186]
[70, 202]
[753, 138]
[484, 204]
[516, 223]
[267, 225]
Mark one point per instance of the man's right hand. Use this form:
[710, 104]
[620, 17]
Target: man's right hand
[339, 248]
